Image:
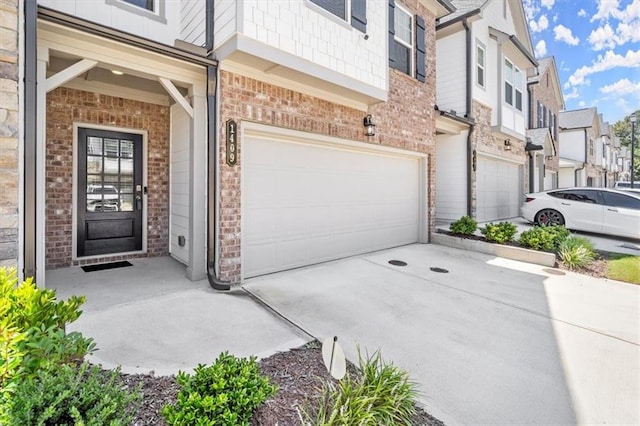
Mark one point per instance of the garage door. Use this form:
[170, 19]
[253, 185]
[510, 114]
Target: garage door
[499, 189]
[307, 203]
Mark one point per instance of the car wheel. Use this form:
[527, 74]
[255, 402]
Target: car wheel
[549, 217]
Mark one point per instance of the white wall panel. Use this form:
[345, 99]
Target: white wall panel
[451, 176]
[451, 81]
[192, 21]
[179, 183]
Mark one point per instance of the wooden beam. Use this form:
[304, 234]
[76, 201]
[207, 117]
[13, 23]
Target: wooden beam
[69, 74]
[176, 95]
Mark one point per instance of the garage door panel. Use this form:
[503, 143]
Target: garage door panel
[304, 204]
[498, 190]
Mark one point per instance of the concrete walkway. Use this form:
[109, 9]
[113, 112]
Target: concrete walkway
[493, 341]
[149, 317]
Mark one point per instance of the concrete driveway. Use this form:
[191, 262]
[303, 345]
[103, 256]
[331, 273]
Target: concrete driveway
[492, 341]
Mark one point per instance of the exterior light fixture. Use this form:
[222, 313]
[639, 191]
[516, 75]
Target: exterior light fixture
[507, 144]
[369, 125]
[117, 72]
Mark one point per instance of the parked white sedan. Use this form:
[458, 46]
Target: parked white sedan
[599, 210]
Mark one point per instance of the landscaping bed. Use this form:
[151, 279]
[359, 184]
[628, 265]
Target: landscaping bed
[299, 374]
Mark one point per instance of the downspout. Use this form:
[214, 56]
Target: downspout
[531, 172]
[30, 125]
[470, 161]
[584, 164]
[212, 163]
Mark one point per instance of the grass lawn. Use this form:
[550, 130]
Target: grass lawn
[623, 267]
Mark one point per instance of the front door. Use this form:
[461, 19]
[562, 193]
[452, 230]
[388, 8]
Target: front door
[109, 192]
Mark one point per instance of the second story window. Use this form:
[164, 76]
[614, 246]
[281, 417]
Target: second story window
[480, 58]
[353, 11]
[144, 4]
[337, 7]
[403, 46]
[539, 115]
[512, 85]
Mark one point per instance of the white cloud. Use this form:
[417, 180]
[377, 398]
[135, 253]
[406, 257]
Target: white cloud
[564, 34]
[530, 9]
[582, 13]
[548, 3]
[541, 49]
[541, 25]
[581, 104]
[606, 8]
[609, 9]
[604, 62]
[622, 87]
[603, 38]
[573, 95]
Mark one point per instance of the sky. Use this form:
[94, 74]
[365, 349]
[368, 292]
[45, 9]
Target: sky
[596, 45]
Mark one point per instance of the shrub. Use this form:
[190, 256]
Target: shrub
[32, 332]
[465, 225]
[382, 395]
[576, 252]
[69, 395]
[501, 233]
[225, 393]
[547, 238]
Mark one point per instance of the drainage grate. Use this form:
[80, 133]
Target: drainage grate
[103, 266]
[440, 270]
[397, 263]
[553, 271]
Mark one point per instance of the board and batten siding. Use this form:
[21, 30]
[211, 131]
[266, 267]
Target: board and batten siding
[179, 183]
[192, 21]
[163, 28]
[451, 81]
[451, 176]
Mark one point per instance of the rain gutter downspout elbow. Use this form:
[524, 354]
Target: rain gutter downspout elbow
[212, 163]
[467, 29]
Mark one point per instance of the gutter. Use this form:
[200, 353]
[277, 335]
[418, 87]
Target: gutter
[30, 126]
[462, 18]
[470, 153]
[212, 160]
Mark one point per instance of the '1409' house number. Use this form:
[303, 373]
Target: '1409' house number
[232, 143]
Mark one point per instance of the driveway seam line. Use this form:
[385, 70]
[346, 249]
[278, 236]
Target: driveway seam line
[502, 303]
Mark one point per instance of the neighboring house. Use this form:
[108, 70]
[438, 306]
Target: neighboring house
[579, 136]
[9, 133]
[624, 163]
[610, 146]
[545, 102]
[232, 131]
[484, 58]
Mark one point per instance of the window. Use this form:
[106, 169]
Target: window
[508, 82]
[539, 114]
[144, 4]
[582, 195]
[619, 200]
[518, 81]
[544, 116]
[403, 37]
[592, 151]
[480, 59]
[340, 8]
[336, 7]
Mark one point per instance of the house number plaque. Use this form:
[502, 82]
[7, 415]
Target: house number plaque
[232, 143]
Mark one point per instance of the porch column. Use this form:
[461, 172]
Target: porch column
[41, 155]
[197, 185]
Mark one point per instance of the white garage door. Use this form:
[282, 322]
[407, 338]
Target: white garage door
[499, 189]
[307, 203]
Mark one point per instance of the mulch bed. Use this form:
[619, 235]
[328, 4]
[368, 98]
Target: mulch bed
[299, 374]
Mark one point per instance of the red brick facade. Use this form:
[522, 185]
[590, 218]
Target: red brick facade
[405, 121]
[66, 107]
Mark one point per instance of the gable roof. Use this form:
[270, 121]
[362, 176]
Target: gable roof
[548, 64]
[542, 137]
[462, 8]
[577, 119]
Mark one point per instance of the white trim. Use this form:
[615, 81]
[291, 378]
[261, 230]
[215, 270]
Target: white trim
[411, 46]
[498, 157]
[68, 74]
[102, 88]
[253, 129]
[326, 13]
[176, 95]
[74, 220]
[480, 45]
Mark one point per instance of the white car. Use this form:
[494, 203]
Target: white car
[600, 210]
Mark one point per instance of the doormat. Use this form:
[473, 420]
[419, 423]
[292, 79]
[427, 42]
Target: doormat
[103, 266]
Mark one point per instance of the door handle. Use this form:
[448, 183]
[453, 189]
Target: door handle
[613, 210]
[565, 204]
[138, 202]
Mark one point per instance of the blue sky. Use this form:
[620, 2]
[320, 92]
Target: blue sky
[596, 44]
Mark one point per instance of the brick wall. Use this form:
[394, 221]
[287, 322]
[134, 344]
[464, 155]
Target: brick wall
[9, 133]
[406, 121]
[545, 93]
[66, 106]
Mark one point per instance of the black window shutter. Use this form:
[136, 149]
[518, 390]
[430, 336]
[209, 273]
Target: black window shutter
[421, 50]
[392, 32]
[359, 15]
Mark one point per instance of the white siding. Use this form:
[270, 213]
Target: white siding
[451, 81]
[451, 176]
[164, 28]
[499, 188]
[179, 183]
[572, 144]
[304, 30]
[224, 20]
[192, 21]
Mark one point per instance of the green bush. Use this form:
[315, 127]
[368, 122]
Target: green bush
[382, 395]
[32, 331]
[501, 233]
[576, 252]
[68, 395]
[546, 238]
[225, 393]
[465, 225]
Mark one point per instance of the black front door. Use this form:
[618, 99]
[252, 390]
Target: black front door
[109, 192]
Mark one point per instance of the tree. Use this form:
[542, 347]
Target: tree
[622, 129]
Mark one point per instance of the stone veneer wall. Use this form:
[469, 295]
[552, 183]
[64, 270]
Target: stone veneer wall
[406, 121]
[9, 175]
[67, 106]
